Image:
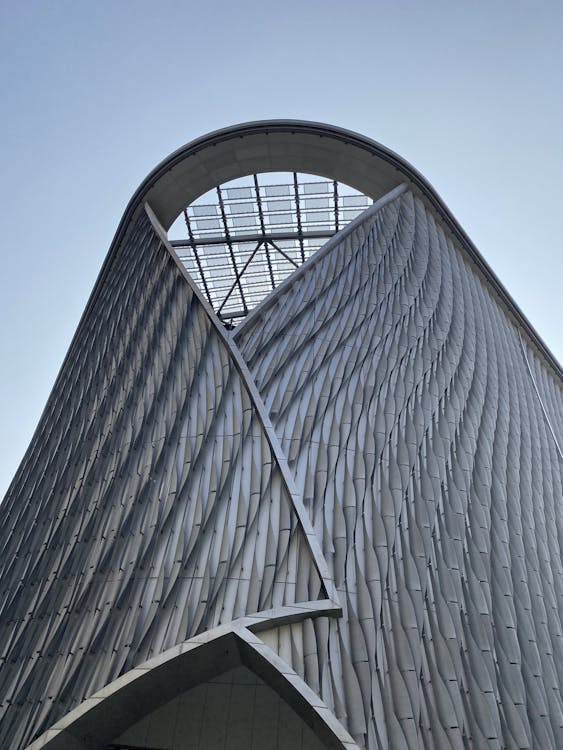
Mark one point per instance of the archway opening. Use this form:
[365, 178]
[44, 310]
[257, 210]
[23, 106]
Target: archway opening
[219, 690]
[236, 710]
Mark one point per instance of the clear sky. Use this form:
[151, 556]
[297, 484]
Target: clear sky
[95, 93]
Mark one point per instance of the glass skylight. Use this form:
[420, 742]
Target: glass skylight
[240, 240]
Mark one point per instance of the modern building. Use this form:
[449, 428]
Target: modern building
[299, 481]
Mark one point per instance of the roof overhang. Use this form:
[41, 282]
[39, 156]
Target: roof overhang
[271, 146]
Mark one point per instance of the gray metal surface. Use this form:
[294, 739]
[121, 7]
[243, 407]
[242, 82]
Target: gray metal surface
[370, 466]
[403, 399]
[150, 506]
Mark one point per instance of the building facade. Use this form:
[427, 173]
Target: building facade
[299, 481]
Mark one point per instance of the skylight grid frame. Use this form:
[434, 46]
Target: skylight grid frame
[249, 237]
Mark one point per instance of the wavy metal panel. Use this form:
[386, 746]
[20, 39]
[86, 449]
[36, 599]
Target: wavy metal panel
[423, 434]
[149, 507]
[402, 397]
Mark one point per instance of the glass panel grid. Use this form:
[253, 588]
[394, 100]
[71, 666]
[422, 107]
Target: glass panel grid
[283, 219]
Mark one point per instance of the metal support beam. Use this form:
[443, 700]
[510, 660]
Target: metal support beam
[277, 237]
[227, 239]
[196, 256]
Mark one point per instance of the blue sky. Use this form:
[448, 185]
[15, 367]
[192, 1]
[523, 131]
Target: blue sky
[94, 94]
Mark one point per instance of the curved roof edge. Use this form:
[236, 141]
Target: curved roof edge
[105, 715]
[156, 188]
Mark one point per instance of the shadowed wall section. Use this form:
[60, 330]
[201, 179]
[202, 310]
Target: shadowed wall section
[235, 711]
[149, 506]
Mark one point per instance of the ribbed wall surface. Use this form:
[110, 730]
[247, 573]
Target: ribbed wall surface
[423, 432]
[149, 506]
[404, 399]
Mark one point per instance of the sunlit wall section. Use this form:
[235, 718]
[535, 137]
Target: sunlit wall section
[413, 423]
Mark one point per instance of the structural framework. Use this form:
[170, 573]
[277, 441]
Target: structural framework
[299, 480]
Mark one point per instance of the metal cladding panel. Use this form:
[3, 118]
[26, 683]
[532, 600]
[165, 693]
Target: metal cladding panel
[400, 414]
[423, 434]
[149, 507]
[549, 393]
